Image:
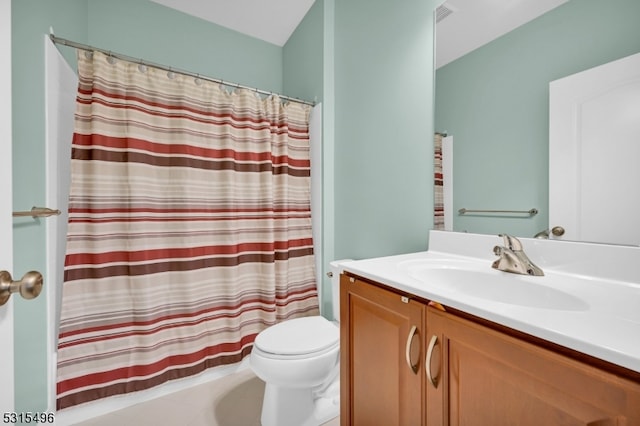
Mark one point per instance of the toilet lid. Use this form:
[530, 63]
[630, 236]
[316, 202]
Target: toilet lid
[298, 336]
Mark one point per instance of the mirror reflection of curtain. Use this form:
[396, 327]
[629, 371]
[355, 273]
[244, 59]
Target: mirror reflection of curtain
[189, 227]
[438, 193]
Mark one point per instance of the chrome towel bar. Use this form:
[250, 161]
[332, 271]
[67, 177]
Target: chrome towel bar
[531, 212]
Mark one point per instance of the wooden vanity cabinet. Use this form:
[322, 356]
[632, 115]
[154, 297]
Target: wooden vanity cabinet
[404, 363]
[482, 376]
[382, 356]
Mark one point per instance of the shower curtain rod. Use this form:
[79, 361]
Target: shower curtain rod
[70, 43]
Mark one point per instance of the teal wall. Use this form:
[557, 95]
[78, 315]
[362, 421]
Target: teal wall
[303, 57]
[304, 78]
[31, 20]
[383, 127]
[374, 77]
[372, 72]
[495, 103]
[147, 30]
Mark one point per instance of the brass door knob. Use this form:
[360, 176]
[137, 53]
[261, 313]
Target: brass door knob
[29, 286]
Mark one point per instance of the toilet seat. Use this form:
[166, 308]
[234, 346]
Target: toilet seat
[298, 338]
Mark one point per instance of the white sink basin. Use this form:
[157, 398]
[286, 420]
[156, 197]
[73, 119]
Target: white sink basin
[588, 300]
[479, 280]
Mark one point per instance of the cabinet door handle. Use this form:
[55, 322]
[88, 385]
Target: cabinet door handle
[432, 344]
[412, 366]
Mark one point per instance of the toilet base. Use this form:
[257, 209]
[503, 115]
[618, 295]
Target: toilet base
[299, 407]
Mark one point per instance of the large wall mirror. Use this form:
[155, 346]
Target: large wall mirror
[493, 98]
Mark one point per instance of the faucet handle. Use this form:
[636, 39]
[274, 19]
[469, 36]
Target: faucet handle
[511, 242]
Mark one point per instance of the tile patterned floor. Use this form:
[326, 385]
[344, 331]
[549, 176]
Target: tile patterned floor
[235, 400]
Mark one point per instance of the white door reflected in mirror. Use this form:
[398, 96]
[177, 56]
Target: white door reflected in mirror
[594, 153]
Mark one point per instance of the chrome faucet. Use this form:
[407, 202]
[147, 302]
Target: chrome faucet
[513, 259]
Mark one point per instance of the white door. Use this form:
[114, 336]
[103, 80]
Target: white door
[6, 230]
[594, 153]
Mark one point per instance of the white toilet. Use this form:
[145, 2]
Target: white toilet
[299, 360]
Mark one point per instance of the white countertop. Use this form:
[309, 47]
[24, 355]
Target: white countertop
[605, 280]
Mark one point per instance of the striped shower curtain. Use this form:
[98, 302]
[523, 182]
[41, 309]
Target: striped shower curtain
[189, 227]
[438, 193]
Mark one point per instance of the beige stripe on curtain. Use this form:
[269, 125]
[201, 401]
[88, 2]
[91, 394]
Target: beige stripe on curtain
[189, 227]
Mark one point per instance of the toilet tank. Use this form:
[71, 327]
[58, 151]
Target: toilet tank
[336, 268]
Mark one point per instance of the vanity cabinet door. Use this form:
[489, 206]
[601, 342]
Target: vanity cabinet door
[480, 376]
[382, 356]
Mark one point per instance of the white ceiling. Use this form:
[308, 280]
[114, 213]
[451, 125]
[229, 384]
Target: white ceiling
[270, 20]
[472, 24]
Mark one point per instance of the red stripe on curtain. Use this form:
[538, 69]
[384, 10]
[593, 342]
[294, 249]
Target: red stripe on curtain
[186, 211]
[173, 253]
[149, 369]
[165, 322]
[189, 228]
[158, 148]
[178, 106]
